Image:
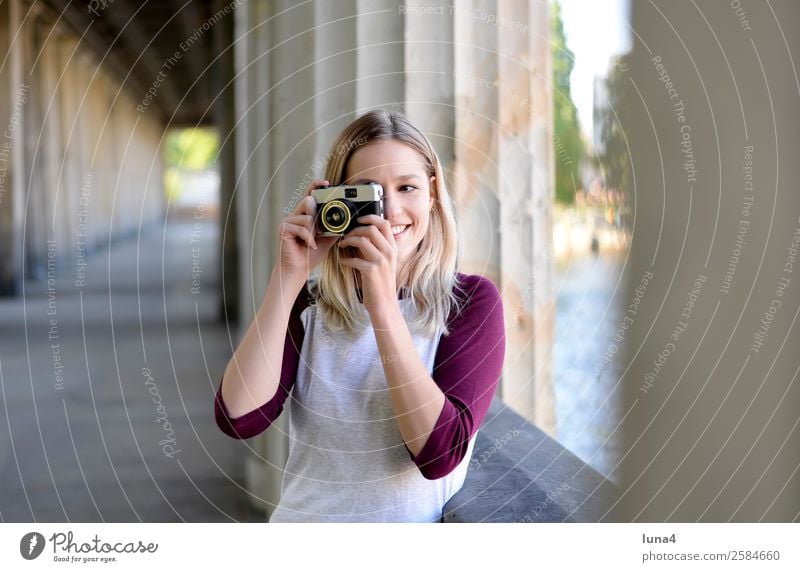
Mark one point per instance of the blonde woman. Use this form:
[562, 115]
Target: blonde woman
[391, 356]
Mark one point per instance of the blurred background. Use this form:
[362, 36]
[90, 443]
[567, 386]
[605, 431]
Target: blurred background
[622, 172]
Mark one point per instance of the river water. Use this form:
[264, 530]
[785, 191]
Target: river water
[588, 391]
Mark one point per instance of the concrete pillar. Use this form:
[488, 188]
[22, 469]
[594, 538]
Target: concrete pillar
[475, 190]
[225, 117]
[73, 130]
[104, 152]
[49, 148]
[71, 160]
[334, 94]
[36, 207]
[525, 164]
[380, 66]
[515, 165]
[711, 385]
[12, 189]
[84, 139]
[429, 61]
[288, 142]
[504, 186]
[252, 62]
[542, 197]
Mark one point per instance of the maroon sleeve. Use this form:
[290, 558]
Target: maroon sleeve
[467, 368]
[256, 421]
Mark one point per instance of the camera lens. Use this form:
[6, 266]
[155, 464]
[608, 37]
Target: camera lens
[335, 216]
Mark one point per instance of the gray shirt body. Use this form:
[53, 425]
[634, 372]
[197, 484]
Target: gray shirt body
[347, 458]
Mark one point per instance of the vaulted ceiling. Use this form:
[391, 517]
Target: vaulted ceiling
[138, 41]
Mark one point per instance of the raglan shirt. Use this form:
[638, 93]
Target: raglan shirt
[347, 459]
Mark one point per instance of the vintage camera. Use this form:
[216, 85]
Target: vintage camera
[339, 207]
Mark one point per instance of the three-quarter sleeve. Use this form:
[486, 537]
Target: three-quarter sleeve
[467, 368]
[256, 421]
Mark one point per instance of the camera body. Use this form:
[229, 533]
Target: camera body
[338, 207]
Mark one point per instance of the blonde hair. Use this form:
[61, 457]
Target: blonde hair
[431, 271]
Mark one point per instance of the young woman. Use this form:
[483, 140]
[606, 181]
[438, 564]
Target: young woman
[391, 356]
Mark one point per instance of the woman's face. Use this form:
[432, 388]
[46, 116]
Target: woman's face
[400, 170]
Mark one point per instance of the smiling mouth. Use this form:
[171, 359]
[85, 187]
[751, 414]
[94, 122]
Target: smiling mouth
[399, 229]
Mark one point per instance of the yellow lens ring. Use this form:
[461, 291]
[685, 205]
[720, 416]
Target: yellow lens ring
[345, 210]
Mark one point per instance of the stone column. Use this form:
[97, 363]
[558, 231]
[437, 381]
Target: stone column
[254, 162]
[49, 147]
[334, 93]
[429, 61]
[12, 188]
[542, 197]
[225, 117]
[33, 113]
[515, 165]
[71, 164]
[504, 184]
[380, 63]
[72, 128]
[475, 190]
[711, 373]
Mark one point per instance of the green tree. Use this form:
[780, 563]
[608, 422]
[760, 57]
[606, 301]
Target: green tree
[615, 158]
[194, 149]
[567, 142]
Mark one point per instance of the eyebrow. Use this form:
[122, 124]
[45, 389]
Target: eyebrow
[400, 178]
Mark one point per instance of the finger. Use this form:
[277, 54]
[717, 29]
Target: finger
[315, 184]
[380, 232]
[366, 229]
[364, 245]
[381, 224]
[307, 206]
[305, 220]
[308, 200]
[290, 231]
[377, 239]
[356, 263]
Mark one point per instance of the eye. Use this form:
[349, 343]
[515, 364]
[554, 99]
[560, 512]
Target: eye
[407, 188]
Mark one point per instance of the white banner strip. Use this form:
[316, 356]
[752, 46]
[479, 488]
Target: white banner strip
[401, 547]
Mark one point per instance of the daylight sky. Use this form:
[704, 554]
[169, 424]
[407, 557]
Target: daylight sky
[596, 30]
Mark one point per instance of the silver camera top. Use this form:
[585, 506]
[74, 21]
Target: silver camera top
[355, 193]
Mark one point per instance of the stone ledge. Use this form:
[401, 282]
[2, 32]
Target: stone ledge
[518, 473]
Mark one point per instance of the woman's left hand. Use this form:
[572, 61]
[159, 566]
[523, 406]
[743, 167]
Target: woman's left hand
[377, 261]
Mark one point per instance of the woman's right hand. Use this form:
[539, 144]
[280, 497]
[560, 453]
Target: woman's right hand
[300, 249]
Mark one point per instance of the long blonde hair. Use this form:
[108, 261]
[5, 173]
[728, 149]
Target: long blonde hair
[431, 271]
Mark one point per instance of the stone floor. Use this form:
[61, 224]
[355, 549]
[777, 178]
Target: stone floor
[83, 371]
